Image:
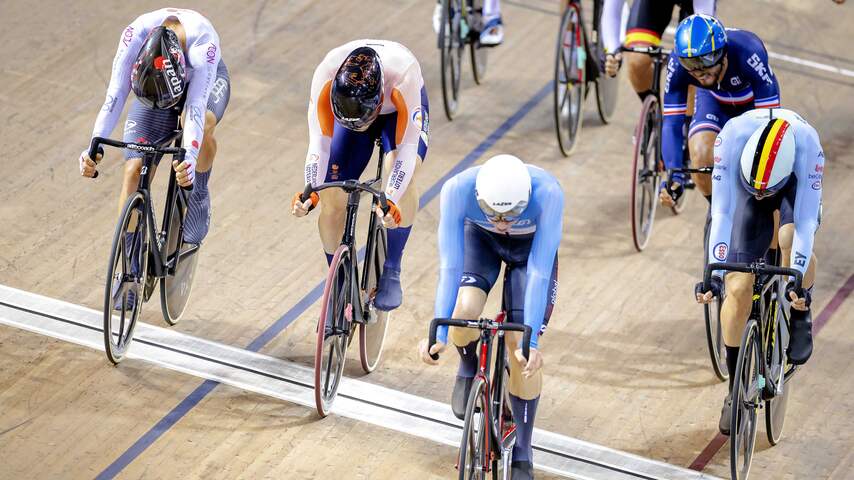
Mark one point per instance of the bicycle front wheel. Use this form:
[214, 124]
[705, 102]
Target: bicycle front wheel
[646, 172]
[333, 330]
[372, 334]
[570, 79]
[474, 459]
[451, 45]
[181, 261]
[714, 338]
[746, 395]
[126, 273]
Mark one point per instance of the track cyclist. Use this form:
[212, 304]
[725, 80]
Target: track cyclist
[171, 59]
[503, 211]
[364, 91]
[730, 69]
[492, 33]
[765, 160]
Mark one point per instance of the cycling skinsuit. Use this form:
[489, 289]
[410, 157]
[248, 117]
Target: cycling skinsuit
[649, 18]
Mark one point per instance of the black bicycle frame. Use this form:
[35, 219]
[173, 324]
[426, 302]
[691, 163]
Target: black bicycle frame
[354, 190]
[162, 265]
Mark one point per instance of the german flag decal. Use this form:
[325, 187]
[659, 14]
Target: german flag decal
[766, 152]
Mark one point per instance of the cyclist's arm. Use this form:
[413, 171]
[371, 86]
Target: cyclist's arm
[673, 110]
[130, 42]
[612, 16]
[541, 259]
[451, 245]
[410, 133]
[204, 76]
[724, 182]
[809, 169]
[706, 7]
[766, 89]
[320, 125]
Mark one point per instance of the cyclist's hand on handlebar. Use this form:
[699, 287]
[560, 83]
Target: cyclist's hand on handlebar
[88, 167]
[715, 289]
[392, 218]
[185, 172]
[613, 63]
[801, 299]
[532, 365]
[300, 208]
[436, 349]
[670, 193]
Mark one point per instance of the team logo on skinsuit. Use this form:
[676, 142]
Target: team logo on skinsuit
[129, 126]
[333, 175]
[721, 251]
[718, 141]
[468, 280]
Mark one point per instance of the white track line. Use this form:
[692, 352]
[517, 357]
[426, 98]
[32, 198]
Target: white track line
[254, 372]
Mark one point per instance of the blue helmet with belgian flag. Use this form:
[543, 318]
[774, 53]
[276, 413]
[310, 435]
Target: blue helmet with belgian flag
[700, 42]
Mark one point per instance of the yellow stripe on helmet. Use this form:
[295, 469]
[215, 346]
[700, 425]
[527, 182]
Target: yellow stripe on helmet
[766, 151]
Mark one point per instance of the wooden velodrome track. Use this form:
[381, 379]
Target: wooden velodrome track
[626, 364]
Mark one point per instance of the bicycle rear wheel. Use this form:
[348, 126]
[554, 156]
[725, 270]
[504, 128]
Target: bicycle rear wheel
[333, 331]
[177, 283]
[479, 55]
[451, 45]
[746, 396]
[646, 172]
[775, 408]
[570, 79]
[372, 334]
[474, 458]
[126, 274]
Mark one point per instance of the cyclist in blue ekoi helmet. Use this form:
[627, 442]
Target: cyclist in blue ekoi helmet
[700, 43]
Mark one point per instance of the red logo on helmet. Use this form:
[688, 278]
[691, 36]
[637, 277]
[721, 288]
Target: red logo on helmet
[158, 63]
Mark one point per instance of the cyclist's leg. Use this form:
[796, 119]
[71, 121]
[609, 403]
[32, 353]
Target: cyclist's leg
[647, 21]
[524, 392]
[198, 215]
[800, 346]
[709, 118]
[390, 294]
[493, 26]
[350, 152]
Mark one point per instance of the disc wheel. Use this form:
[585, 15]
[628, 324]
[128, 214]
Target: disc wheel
[177, 285]
[474, 445]
[451, 45]
[372, 334]
[126, 272]
[746, 396]
[570, 80]
[333, 329]
[646, 173]
[775, 408]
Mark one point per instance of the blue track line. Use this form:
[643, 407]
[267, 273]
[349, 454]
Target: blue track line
[193, 399]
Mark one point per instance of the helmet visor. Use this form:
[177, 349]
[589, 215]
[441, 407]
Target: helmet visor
[702, 62]
[356, 113]
[509, 216]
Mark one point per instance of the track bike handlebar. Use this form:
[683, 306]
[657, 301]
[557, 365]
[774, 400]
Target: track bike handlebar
[482, 324]
[756, 268]
[349, 186]
[651, 51]
[179, 153]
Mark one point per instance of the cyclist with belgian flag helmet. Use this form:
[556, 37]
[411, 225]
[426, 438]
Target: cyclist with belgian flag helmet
[501, 212]
[766, 160]
[364, 91]
[171, 59]
[730, 69]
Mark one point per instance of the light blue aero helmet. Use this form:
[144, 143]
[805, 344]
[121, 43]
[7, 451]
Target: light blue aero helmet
[700, 42]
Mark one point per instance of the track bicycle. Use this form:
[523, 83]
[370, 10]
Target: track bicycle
[647, 163]
[141, 254]
[460, 26]
[580, 61]
[489, 432]
[347, 302]
[763, 371]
